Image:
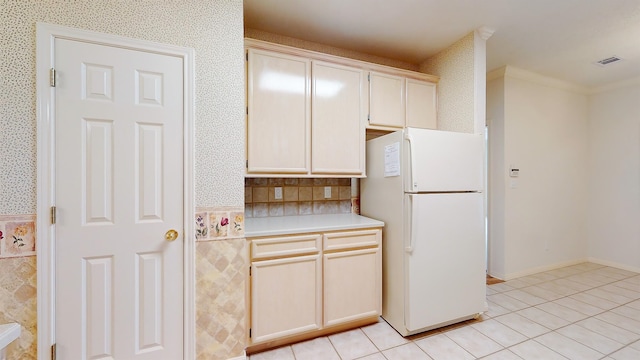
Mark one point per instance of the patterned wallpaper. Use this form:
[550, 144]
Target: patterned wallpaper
[454, 65]
[213, 28]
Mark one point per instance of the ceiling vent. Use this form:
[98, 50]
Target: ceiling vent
[608, 61]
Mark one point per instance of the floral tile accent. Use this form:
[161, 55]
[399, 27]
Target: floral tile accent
[237, 223]
[17, 236]
[202, 226]
[219, 223]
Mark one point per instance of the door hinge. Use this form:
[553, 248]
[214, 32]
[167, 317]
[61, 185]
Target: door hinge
[249, 270]
[53, 352]
[249, 332]
[368, 77]
[369, 117]
[53, 215]
[246, 164]
[247, 110]
[52, 77]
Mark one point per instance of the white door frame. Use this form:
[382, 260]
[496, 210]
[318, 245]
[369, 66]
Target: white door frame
[45, 109]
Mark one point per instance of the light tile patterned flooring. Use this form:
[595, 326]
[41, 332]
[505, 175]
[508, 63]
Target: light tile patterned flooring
[580, 312]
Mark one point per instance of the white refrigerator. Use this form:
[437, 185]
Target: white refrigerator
[427, 187]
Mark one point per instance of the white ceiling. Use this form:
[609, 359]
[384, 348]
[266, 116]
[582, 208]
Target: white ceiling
[556, 38]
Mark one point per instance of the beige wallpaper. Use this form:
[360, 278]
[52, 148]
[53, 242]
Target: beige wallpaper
[214, 28]
[455, 66]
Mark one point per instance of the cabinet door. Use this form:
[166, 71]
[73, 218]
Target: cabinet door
[337, 120]
[421, 104]
[352, 285]
[386, 100]
[278, 113]
[286, 297]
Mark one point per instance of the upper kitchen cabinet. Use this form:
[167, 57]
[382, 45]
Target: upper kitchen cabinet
[278, 113]
[307, 111]
[397, 101]
[337, 119]
[305, 117]
[386, 100]
[421, 104]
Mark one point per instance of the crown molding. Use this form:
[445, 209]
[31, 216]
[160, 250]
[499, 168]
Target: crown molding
[485, 32]
[516, 73]
[615, 86]
[496, 73]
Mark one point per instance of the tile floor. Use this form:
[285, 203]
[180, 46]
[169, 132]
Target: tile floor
[581, 312]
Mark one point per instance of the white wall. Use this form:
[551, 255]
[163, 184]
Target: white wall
[496, 179]
[614, 174]
[539, 217]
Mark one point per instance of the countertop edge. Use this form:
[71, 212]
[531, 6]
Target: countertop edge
[287, 225]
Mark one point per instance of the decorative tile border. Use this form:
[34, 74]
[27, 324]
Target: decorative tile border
[219, 223]
[17, 235]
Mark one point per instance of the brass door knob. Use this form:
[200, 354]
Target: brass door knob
[171, 235]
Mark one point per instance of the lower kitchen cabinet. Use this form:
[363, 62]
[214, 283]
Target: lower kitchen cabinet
[307, 285]
[289, 291]
[352, 286]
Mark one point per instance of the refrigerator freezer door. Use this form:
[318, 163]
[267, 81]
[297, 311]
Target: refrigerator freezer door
[442, 161]
[445, 259]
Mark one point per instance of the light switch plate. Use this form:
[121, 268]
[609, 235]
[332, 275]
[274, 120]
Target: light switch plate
[277, 193]
[327, 192]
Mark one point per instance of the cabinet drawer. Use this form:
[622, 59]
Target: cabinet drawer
[352, 239]
[285, 246]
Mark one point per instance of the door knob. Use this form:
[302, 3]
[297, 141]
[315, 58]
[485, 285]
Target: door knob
[171, 235]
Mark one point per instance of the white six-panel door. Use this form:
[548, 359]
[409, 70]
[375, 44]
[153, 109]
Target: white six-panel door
[119, 190]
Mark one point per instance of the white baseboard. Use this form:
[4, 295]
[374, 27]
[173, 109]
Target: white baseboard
[540, 269]
[614, 264]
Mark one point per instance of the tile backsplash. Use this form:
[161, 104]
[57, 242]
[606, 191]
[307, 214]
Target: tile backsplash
[299, 196]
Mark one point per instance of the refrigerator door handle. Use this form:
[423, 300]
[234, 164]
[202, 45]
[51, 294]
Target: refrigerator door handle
[412, 220]
[413, 183]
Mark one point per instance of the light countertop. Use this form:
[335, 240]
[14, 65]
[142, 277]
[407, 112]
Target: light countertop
[283, 225]
[8, 333]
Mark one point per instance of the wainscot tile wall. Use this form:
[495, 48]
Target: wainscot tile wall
[222, 259]
[300, 196]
